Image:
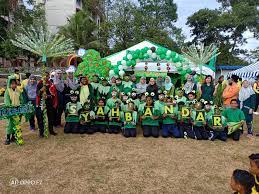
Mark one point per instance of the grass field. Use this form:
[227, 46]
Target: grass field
[103, 163]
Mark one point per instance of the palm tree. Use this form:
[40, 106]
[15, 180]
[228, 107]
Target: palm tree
[43, 43]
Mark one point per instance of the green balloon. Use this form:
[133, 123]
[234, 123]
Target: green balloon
[146, 56]
[125, 58]
[179, 69]
[162, 56]
[173, 54]
[135, 55]
[119, 63]
[128, 63]
[116, 70]
[167, 57]
[175, 60]
[189, 70]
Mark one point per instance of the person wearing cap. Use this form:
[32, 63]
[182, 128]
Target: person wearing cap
[127, 84]
[142, 86]
[104, 89]
[231, 91]
[31, 93]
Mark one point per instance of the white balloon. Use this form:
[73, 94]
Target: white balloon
[178, 64]
[123, 62]
[111, 72]
[168, 53]
[185, 67]
[153, 55]
[129, 56]
[149, 52]
[120, 67]
[121, 73]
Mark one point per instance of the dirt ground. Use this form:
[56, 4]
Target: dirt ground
[103, 163]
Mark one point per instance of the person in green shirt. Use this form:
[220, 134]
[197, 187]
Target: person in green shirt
[235, 119]
[199, 122]
[135, 99]
[115, 115]
[124, 97]
[130, 118]
[100, 123]
[158, 104]
[72, 113]
[104, 88]
[169, 114]
[184, 120]
[127, 84]
[191, 99]
[149, 117]
[119, 86]
[254, 170]
[86, 118]
[216, 125]
[180, 96]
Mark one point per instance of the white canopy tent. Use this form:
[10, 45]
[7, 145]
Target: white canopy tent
[152, 66]
[248, 72]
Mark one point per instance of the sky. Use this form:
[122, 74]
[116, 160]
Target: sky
[186, 8]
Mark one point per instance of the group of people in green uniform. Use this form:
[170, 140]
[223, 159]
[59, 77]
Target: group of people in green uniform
[120, 105]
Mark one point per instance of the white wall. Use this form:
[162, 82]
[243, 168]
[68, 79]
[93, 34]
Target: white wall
[58, 11]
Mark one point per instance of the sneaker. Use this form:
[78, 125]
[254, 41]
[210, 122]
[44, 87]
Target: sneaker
[32, 128]
[7, 142]
[53, 133]
[256, 113]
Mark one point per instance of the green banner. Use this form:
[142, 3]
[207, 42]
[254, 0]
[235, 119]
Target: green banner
[6, 112]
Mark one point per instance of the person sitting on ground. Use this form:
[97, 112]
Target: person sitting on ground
[235, 119]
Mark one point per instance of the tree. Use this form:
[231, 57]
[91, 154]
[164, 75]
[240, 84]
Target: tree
[225, 26]
[80, 29]
[22, 18]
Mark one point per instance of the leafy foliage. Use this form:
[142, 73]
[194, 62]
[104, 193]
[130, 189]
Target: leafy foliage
[41, 42]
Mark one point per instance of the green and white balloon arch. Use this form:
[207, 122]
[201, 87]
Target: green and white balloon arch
[154, 54]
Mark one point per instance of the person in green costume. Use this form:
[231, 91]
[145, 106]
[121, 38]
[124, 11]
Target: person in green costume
[12, 97]
[161, 100]
[124, 97]
[72, 113]
[169, 114]
[119, 86]
[180, 96]
[104, 89]
[216, 124]
[235, 119]
[199, 122]
[114, 107]
[127, 84]
[135, 99]
[100, 116]
[191, 99]
[219, 88]
[149, 117]
[130, 119]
